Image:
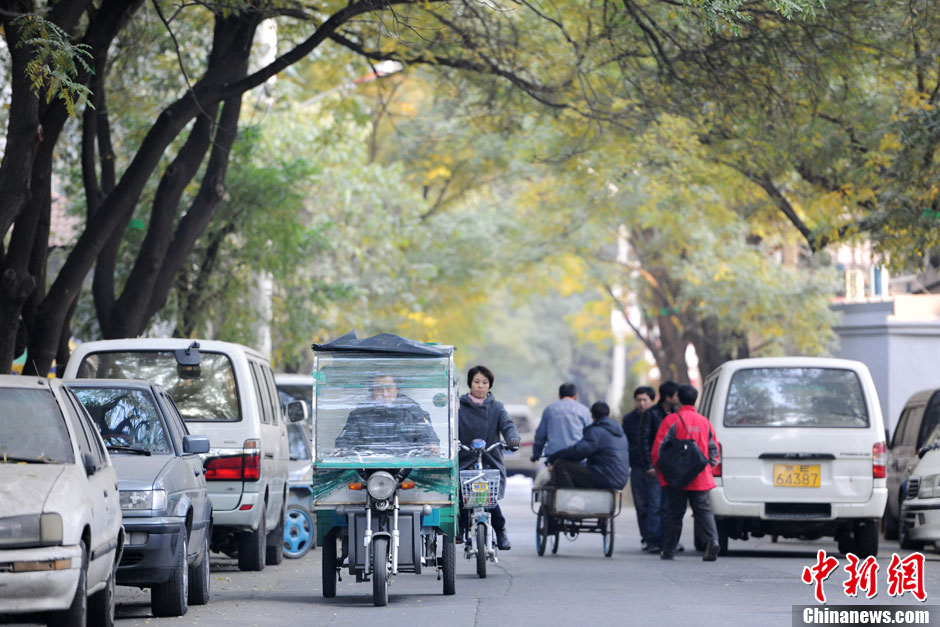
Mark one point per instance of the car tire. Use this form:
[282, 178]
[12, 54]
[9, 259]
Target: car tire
[171, 598]
[723, 537]
[77, 613]
[866, 538]
[328, 564]
[890, 525]
[101, 605]
[251, 548]
[905, 541]
[274, 545]
[200, 578]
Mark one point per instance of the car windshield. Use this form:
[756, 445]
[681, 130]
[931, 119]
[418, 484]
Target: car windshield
[209, 396]
[125, 417]
[32, 428]
[372, 408]
[795, 397]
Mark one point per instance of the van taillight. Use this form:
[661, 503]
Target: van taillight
[716, 471]
[244, 467]
[879, 454]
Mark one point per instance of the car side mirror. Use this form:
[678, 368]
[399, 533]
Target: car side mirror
[195, 444]
[89, 462]
[296, 411]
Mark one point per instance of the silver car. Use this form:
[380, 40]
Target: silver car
[60, 526]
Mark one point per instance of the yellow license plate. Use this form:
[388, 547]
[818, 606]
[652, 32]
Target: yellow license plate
[480, 486]
[796, 475]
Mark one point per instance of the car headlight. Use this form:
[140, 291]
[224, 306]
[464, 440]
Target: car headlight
[929, 487]
[50, 529]
[30, 530]
[381, 485]
[143, 499]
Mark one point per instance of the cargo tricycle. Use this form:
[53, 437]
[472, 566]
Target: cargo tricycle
[385, 461]
[572, 511]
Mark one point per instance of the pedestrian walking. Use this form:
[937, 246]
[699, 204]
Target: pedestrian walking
[643, 487]
[687, 424]
[481, 416]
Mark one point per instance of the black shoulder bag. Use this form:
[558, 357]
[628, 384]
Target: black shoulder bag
[680, 460]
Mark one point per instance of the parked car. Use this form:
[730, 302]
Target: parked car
[920, 498]
[164, 501]
[803, 450]
[300, 524]
[519, 462]
[60, 514]
[226, 392]
[920, 416]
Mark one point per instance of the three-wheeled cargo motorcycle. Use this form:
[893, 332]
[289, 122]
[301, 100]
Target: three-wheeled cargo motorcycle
[385, 460]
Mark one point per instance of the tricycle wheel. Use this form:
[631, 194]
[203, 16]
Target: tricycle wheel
[555, 543]
[609, 537]
[329, 564]
[482, 548]
[380, 571]
[298, 533]
[449, 564]
[541, 532]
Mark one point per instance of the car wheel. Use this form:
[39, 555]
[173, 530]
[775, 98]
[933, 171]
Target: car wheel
[172, 597]
[102, 603]
[904, 538]
[890, 524]
[251, 548]
[866, 538]
[199, 577]
[298, 533]
[274, 553]
[77, 613]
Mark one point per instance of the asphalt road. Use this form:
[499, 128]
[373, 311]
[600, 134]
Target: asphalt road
[757, 583]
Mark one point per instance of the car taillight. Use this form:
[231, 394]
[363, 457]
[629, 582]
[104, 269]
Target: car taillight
[879, 454]
[716, 471]
[244, 467]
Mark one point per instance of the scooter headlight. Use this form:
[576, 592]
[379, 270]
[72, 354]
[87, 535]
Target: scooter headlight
[381, 485]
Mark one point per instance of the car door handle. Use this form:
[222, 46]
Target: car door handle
[269, 455]
[105, 494]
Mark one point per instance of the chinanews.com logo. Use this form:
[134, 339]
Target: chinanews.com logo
[903, 576]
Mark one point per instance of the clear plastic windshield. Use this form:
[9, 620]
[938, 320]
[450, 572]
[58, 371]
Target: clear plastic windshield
[374, 410]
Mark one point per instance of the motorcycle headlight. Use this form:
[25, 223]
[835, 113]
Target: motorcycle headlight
[143, 499]
[381, 485]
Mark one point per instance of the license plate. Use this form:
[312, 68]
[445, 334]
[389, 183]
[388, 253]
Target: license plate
[480, 486]
[796, 475]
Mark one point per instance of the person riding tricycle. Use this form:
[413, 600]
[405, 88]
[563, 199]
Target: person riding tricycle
[385, 471]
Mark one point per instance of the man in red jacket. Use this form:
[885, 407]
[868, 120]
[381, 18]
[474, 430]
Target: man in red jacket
[687, 424]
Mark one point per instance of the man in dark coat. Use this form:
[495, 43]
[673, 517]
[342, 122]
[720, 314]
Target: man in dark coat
[390, 424]
[645, 489]
[649, 425]
[605, 447]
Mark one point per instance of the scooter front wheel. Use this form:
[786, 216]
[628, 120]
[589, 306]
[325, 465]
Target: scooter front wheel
[380, 572]
[482, 548]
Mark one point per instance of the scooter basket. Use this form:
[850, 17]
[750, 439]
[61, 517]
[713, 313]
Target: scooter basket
[479, 487]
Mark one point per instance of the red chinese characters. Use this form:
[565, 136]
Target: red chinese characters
[819, 573]
[862, 574]
[907, 575]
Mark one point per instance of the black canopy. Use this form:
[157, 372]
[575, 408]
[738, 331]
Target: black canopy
[383, 343]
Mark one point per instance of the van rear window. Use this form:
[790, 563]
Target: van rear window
[795, 397]
[210, 396]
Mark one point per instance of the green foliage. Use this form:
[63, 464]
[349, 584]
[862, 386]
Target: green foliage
[55, 61]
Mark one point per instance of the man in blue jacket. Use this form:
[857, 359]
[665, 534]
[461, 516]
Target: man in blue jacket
[606, 450]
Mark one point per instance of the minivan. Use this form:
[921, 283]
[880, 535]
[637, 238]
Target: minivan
[920, 416]
[802, 450]
[224, 391]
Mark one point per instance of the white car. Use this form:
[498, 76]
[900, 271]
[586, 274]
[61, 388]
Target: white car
[60, 522]
[920, 507]
[802, 450]
[226, 392]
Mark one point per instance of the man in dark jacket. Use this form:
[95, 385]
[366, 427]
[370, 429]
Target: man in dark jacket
[605, 447]
[390, 424]
[649, 425]
[644, 489]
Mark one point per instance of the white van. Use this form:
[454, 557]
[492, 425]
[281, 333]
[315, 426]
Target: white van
[226, 392]
[802, 450]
